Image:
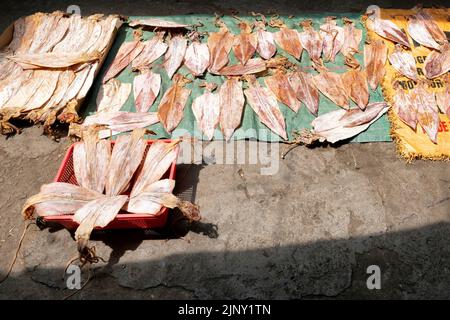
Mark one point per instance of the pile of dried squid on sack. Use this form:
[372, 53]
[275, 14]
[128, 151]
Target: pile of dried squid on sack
[264, 77]
[125, 177]
[48, 67]
[418, 104]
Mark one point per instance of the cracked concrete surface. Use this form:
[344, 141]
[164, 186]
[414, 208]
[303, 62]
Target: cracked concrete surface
[310, 231]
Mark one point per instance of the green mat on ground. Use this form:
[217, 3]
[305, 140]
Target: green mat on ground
[251, 127]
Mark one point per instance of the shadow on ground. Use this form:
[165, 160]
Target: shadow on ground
[323, 269]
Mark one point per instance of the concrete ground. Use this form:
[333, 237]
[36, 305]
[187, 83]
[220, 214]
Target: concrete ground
[310, 231]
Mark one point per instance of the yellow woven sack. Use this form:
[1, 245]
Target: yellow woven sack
[411, 144]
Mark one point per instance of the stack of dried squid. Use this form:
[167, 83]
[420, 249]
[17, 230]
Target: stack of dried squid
[105, 175]
[285, 83]
[419, 105]
[50, 65]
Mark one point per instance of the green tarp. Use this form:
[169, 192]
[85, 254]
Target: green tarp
[251, 127]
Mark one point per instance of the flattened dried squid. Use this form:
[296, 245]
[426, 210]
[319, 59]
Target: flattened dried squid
[219, 44]
[427, 111]
[280, 86]
[352, 39]
[53, 60]
[255, 65]
[206, 109]
[306, 92]
[91, 159]
[419, 32]
[312, 42]
[96, 213]
[443, 98]
[175, 54]
[375, 56]
[117, 122]
[197, 56]
[244, 44]
[438, 63]
[265, 105]
[266, 47]
[160, 157]
[431, 26]
[58, 198]
[332, 38]
[149, 193]
[157, 23]
[385, 28]
[171, 107]
[153, 49]
[146, 88]
[288, 39]
[232, 101]
[330, 84]
[341, 124]
[355, 84]
[126, 157]
[127, 53]
[404, 63]
[112, 95]
[405, 107]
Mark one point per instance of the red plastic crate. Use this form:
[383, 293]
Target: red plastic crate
[123, 220]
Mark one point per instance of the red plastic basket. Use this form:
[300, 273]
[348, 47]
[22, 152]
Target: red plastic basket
[123, 220]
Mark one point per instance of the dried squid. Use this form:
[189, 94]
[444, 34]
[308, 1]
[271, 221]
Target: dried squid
[343, 124]
[126, 157]
[53, 60]
[443, 98]
[333, 38]
[146, 88]
[431, 26]
[157, 23]
[266, 47]
[197, 56]
[232, 101]
[149, 193]
[127, 53]
[58, 198]
[97, 213]
[158, 160]
[117, 122]
[312, 42]
[113, 95]
[330, 84]
[153, 49]
[288, 39]
[206, 109]
[404, 63]
[175, 54]
[385, 28]
[427, 111]
[306, 92]
[405, 107]
[255, 65]
[280, 86]
[91, 160]
[352, 39]
[45, 91]
[438, 63]
[245, 44]
[219, 44]
[419, 32]
[265, 105]
[355, 84]
[171, 107]
[375, 56]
